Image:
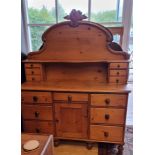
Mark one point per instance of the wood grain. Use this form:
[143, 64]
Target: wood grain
[37, 112]
[114, 133]
[32, 126]
[115, 100]
[71, 120]
[107, 115]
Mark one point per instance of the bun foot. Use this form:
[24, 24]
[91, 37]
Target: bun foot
[120, 150]
[89, 145]
[56, 143]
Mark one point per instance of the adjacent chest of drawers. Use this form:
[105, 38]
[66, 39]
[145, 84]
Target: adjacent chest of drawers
[76, 84]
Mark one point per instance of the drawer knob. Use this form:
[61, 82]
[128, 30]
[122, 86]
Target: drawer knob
[37, 130]
[118, 66]
[106, 134]
[33, 79]
[31, 65]
[32, 72]
[35, 98]
[107, 101]
[117, 80]
[106, 116]
[69, 99]
[117, 73]
[36, 114]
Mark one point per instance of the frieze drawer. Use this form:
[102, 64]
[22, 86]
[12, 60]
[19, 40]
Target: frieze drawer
[36, 97]
[70, 97]
[116, 100]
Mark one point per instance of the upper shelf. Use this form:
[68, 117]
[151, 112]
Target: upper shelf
[78, 41]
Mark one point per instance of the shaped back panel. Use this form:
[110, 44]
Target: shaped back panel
[84, 41]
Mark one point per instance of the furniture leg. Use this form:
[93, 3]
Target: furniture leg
[56, 142]
[89, 145]
[120, 150]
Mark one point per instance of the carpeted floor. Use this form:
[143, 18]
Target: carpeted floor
[79, 148]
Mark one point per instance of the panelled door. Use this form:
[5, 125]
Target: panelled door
[71, 120]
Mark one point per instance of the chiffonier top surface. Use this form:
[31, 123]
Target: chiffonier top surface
[75, 86]
[77, 41]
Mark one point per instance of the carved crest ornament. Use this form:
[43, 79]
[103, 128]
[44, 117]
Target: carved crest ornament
[75, 16]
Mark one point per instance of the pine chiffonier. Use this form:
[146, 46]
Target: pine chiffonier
[76, 84]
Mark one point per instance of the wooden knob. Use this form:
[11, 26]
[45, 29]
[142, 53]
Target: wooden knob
[35, 98]
[31, 65]
[117, 80]
[36, 114]
[69, 99]
[117, 73]
[37, 130]
[32, 72]
[33, 79]
[118, 66]
[107, 101]
[106, 134]
[106, 116]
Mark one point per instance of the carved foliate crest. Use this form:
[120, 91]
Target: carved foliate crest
[75, 16]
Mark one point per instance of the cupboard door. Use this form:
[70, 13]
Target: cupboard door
[71, 120]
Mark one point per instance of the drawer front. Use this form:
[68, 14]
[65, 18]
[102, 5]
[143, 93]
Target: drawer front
[106, 133]
[38, 126]
[118, 72]
[34, 71]
[37, 112]
[107, 115]
[32, 65]
[36, 97]
[109, 100]
[118, 65]
[70, 97]
[118, 80]
[34, 77]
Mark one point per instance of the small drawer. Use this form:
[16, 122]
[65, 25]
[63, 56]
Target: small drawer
[116, 100]
[70, 97]
[118, 72]
[38, 126]
[107, 115]
[118, 80]
[34, 71]
[32, 65]
[106, 133]
[118, 65]
[34, 77]
[36, 97]
[37, 112]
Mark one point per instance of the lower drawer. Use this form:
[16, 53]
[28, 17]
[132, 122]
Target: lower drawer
[107, 115]
[106, 133]
[37, 112]
[38, 126]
